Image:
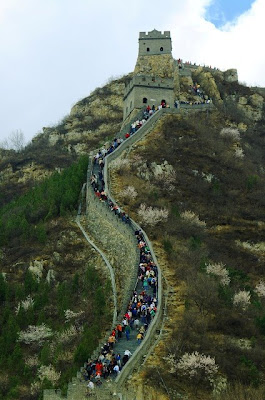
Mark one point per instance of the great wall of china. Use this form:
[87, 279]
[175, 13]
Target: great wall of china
[96, 219]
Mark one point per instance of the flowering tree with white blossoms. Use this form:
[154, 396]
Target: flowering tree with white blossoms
[32, 361]
[35, 387]
[219, 270]
[120, 165]
[230, 133]
[239, 153]
[192, 218]
[25, 304]
[242, 299]
[48, 372]
[197, 367]
[68, 334]
[35, 334]
[129, 193]
[152, 215]
[260, 289]
[69, 314]
[166, 179]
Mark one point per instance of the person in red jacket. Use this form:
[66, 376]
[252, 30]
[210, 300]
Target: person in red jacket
[99, 368]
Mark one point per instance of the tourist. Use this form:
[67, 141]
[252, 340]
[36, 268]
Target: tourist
[139, 337]
[127, 332]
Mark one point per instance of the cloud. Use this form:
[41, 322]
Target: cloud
[234, 45]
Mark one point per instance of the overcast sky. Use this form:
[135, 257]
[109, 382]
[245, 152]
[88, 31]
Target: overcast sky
[55, 52]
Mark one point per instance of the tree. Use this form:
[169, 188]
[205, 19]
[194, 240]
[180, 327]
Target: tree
[35, 334]
[198, 367]
[15, 141]
[202, 291]
[152, 215]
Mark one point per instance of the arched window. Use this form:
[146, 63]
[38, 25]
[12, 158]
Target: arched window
[161, 48]
[144, 100]
[147, 49]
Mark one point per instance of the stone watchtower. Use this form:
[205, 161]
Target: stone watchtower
[153, 76]
[154, 43]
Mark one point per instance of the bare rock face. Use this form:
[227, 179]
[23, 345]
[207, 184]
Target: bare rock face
[243, 100]
[231, 75]
[24, 172]
[256, 100]
[162, 65]
[252, 113]
[252, 106]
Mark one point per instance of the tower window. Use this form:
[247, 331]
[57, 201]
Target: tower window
[147, 49]
[144, 100]
[161, 49]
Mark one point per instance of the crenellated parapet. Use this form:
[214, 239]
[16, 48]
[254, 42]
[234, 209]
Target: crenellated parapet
[154, 43]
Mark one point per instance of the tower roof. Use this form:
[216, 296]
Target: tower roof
[154, 34]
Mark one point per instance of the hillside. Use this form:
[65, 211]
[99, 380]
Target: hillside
[207, 170]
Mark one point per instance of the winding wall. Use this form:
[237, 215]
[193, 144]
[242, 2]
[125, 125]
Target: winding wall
[104, 226]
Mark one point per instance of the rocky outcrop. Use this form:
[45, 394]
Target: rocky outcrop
[23, 172]
[252, 106]
[90, 120]
[231, 75]
[157, 65]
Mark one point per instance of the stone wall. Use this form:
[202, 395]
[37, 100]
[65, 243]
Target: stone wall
[116, 238]
[118, 242]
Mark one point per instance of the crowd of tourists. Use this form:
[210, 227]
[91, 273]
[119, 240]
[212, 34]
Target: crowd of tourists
[140, 312]
[142, 305]
[196, 90]
[192, 103]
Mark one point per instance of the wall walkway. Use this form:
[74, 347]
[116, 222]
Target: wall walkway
[116, 241]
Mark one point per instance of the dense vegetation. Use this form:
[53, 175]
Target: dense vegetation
[68, 306]
[71, 341]
[24, 218]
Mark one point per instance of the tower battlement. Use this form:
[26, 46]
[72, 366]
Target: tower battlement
[154, 43]
[154, 35]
